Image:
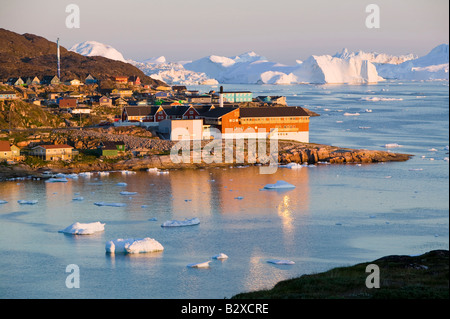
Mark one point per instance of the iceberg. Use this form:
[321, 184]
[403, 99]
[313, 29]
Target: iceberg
[94, 48]
[133, 246]
[27, 202]
[83, 228]
[110, 204]
[433, 66]
[179, 223]
[281, 262]
[279, 185]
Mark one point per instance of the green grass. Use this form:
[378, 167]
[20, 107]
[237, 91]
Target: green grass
[401, 277]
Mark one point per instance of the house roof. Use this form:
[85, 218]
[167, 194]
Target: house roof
[218, 112]
[272, 111]
[176, 110]
[5, 146]
[7, 92]
[54, 146]
[141, 110]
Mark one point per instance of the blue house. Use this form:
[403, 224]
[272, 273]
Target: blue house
[237, 96]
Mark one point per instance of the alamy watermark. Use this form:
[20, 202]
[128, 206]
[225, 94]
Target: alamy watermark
[73, 19]
[373, 19]
[261, 147]
[73, 280]
[373, 280]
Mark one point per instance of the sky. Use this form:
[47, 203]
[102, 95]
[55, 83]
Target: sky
[281, 30]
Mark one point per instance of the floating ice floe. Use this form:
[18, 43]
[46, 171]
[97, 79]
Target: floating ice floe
[79, 198]
[368, 111]
[199, 265]
[220, 256]
[281, 262]
[351, 114]
[415, 169]
[162, 172]
[110, 204]
[103, 173]
[128, 193]
[432, 150]
[121, 184]
[152, 169]
[3, 201]
[27, 202]
[279, 185]
[133, 246]
[291, 165]
[85, 174]
[392, 145]
[239, 197]
[57, 180]
[128, 172]
[179, 223]
[83, 228]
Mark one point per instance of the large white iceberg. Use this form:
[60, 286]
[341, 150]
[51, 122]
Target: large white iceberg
[279, 185]
[433, 66]
[133, 246]
[94, 48]
[83, 228]
[179, 223]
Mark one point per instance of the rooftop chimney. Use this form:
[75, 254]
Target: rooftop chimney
[221, 97]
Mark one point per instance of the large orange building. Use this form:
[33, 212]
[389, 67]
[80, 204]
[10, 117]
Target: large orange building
[287, 123]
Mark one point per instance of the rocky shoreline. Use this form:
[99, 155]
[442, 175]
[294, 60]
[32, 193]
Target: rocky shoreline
[288, 152]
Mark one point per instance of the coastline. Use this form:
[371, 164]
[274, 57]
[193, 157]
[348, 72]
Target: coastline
[288, 152]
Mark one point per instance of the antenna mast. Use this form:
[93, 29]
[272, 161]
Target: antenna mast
[59, 69]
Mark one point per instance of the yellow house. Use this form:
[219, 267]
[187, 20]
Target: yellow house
[121, 92]
[8, 152]
[55, 152]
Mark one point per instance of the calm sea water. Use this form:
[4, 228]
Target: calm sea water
[337, 215]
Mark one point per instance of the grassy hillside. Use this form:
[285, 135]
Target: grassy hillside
[20, 115]
[401, 277]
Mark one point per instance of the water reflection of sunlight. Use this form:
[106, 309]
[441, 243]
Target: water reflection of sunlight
[285, 213]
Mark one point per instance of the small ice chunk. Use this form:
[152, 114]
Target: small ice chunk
[79, 198]
[220, 256]
[83, 228]
[432, 150]
[133, 246]
[415, 169]
[27, 202]
[180, 223]
[3, 201]
[291, 166]
[110, 204]
[279, 185]
[239, 197]
[351, 114]
[281, 262]
[121, 184]
[153, 219]
[128, 193]
[56, 180]
[391, 145]
[199, 265]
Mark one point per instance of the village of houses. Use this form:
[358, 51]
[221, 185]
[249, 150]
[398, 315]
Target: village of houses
[165, 111]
